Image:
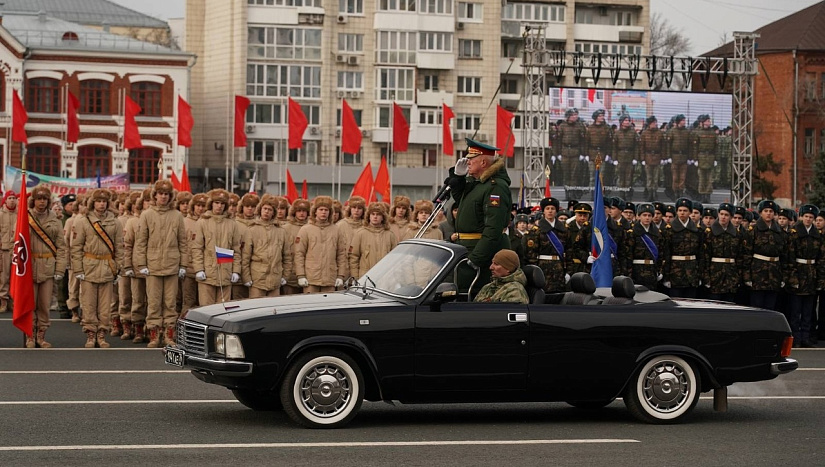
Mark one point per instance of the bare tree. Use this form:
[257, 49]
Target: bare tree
[665, 41]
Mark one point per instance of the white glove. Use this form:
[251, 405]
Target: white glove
[591, 259]
[796, 286]
[234, 278]
[303, 282]
[283, 281]
[615, 162]
[58, 277]
[470, 263]
[201, 276]
[181, 273]
[247, 284]
[669, 160]
[587, 158]
[666, 284]
[749, 283]
[659, 277]
[690, 162]
[783, 284]
[462, 167]
[129, 273]
[707, 285]
[643, 163]
[80, 277]
[566, 278]
[607, 158]
[144, 271]
[663, 161]
[635, 162]
[559, 157]
[715, 163]
[339, 282]
[552, 159]
[581, 157]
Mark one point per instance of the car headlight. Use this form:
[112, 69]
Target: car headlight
[228, 345]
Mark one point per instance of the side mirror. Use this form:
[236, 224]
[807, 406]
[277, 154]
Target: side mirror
[445, 292]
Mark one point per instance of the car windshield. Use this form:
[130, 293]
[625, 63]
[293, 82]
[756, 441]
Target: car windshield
[407, 270]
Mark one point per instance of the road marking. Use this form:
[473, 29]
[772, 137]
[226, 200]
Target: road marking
[741, 398]
[810, 369]
[155, 401]
[90, 372]
[520, 442]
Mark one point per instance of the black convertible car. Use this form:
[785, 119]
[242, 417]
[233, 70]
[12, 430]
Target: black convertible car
[404, 333]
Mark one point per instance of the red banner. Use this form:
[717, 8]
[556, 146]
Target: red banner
[505, 139]
[131, 134]
[350, 133]
[400, 130]
[185, 123]
[72, 122]
[382, 182]
[241, 104]
[18, 121]
[184, 180]
[364, 185]
[22, 288]
[297, 125]
[304, 190]
[447, 134]
[291, 189]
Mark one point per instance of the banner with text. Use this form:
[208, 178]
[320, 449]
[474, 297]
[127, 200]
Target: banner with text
[60, 186]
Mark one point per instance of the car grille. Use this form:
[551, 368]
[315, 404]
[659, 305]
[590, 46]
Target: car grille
[192, 337]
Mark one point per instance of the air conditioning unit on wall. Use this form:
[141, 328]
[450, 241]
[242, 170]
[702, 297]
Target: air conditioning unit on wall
[341, 94]
[340, 58]
[353, 60]
[250, 128]
[342, 19]
[355, 94]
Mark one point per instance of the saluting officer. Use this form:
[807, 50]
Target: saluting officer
[645, 242]
[807, 251]
[766, 261]
[545, 245]
[580, 255]
[682, 241]
[722, 256]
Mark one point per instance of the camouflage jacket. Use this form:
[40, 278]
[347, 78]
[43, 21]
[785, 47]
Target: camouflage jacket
[570, 139]
[722, 259]
[803, 247]
[507, 289]
[682, 241]
[537, 244]
[599, 140]
[579, 249]
[678, 143]
[626, 144]
[652, 146]
[704, 141]
[766, 261]
[641, 273]
[621, 257]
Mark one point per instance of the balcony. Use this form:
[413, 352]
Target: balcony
[412, 21]
[435, 60]
[604, 33]
[272, 15]
[434, 98]
[505, 67]
[552, 31]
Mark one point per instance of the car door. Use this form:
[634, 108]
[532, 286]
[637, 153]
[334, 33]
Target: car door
[471, 347]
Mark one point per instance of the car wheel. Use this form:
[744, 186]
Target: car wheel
[590, 405]
[664, 390]
[322, 389]
[258, 400]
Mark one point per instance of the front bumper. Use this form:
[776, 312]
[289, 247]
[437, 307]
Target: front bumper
[787, 366]
[214, 366]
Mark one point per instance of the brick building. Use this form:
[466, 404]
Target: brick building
[43, 58]
[789, 98]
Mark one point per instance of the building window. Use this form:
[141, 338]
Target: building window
[357, 113]
[350, 42]
[436, 42]
[822, 141]
[352, 7]
[270, 151]
[533, 12]
[94, 97]
[511, 49]
[509, 86]
[148, 97]
[470, 12]
[822, 86]
[396, 5]
[624, 49]
[92, 160]
[351, 80]
[810, 86]
[469, 48]
[283, 80]
[284, 43]
[429, 116]
[437, 7]
[44, 159]
[430, 158]
[395, 47]
[264, 113]
[143, 165]
[623, 18]
[810, 142]
[384, 113]
[396, 84]
[430, 82]
[467, 122]
[43, 95]
[469, 85]
[348, 159]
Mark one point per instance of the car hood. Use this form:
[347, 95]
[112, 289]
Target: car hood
[258, 308]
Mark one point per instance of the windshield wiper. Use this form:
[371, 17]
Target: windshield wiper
[368, 292]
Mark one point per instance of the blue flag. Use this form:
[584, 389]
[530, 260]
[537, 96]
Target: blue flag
[602, 270]
[98, 177]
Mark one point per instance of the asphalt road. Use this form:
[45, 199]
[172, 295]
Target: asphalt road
[73, 406]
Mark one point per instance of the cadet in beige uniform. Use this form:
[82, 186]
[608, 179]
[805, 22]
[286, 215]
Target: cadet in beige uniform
[320, 251]
[190, 286]
[181, 203]
[423, 209]
[399, 216]
[96, 257]
[282, 212]
[121, 318]
[73, 301]
[138, 314]
[267, 253]
[372, 242]
[245, 217]
[353, 217]
[216, 229]
[8, 224]
[298, 215]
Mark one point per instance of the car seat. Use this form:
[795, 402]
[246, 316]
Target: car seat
[535, 283]
[583, 287]
[623, 291]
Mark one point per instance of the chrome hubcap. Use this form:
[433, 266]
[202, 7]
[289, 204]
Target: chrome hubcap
[325, 390]
[666, 387]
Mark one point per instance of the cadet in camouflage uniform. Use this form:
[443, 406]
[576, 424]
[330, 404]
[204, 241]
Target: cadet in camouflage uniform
[704, 152]
[645, 243]
[507, 283]
[678, 144]
[626, 146]
[599, 144]
[545, 245]
[722, 257]
[570, 140]
[682, 253]
[807, 251]
[766, 261]
[617, 227]
[652, 150]
[708, 217]
[579, 254]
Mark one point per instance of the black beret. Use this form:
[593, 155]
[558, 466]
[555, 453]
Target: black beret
[727, 207]
[684, 203]
[66, 199]
[645, 207]
[808, 209]
[767, 204]
[549, 202]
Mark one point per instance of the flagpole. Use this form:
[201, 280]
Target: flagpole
[22, 184]
[230, 140]
[390, 158]
[285, 162]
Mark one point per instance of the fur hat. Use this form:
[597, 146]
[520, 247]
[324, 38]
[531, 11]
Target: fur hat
[337, 207]
[64, 200]
[808, 209]
[146, 194]
[423, 205]
[400, 201]
[507, 258]
[767, 204]
[199, 198]
[549, 202]
[282, 203]
[121, 196]
[41, 191]
[355, 202]
[645, 207]
[217, 195]
[162, 186]
[267, 200]
[234, 199]
[99, 194]
[250, 199]
[727, 207]
[299, 205]
[378, 208]
[320, 201]
[183, 197]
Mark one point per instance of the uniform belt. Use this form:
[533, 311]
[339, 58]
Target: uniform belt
[771, 259]
[683, 258]
[93, 256]
[805, 261]
[722, 260]
[643, 261]
[42, 255]
[549, 257]
[469, 236]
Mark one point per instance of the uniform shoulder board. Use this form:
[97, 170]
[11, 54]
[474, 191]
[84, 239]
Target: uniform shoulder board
[750, 227]
[533, 228]
[707, 230]
[668, 226]
[793, 230]
[492, 181]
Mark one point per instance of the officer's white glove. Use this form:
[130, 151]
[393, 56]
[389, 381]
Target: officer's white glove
[591, 259]
[659, 277]
[643, 163]
[80, 277]
[58, 277]
[144, 271]
[462, 167]
[707, 285]
[129, 273]
[181, 273]
[581, 157]
[635, 162]
[566, 278]
[666, 284]
[234, 278]
[283, 281]
[607, 158]
[303, 282]
[749, 283]
[339, 282]
[690, 162]
[669, 160]
[796, 286]
[559, 156]
[663, 161]
[587, 158]
[470, 263]
[247, 284]
[552, 159]
[715, 163]
[201, 276]
[615, 162]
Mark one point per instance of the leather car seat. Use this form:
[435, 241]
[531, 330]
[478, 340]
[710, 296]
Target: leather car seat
[583, 287]
[623, 292]
[535, 283]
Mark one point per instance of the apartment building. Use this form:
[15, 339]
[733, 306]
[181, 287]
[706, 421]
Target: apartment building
[418, 54]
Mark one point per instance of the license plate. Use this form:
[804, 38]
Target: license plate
[174, 357]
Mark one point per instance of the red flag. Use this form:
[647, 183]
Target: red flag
[400, 130]
[131, 134]
[21, 289]
[184, 180]
[382, 182]
[241, 104]
[291, 190]
[185, 123]
[447, 134]
[304, 190]
[363, 186]
[175, 181]
[505, 139]
[547, 188]
[591, 95]
[297, 125]
[72, 122]
[350, 133]
[19, 119]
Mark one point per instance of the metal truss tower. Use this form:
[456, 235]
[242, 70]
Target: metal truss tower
[744, 50]
[535, 114]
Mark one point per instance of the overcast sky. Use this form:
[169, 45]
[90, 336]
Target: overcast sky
[704, 21]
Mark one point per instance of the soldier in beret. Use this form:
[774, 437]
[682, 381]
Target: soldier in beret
[579, 255]
[652, 148]
[766, 262]
[545, 245]
[722, 256]
[807, 274]
[682, 241]
[645, 244]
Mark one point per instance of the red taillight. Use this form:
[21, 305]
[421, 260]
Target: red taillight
[787, 345]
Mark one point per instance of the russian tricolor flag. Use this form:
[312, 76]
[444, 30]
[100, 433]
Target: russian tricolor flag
[224, 255]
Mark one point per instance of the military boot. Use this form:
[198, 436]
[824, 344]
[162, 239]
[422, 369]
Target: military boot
[116, 327]
[90, 339]
[154, 338]
[41, 339]
[139, 336]
[101, 339]
[127, 330]
[4, 306]
[76, 315]
[169, 336]
[30, 341]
